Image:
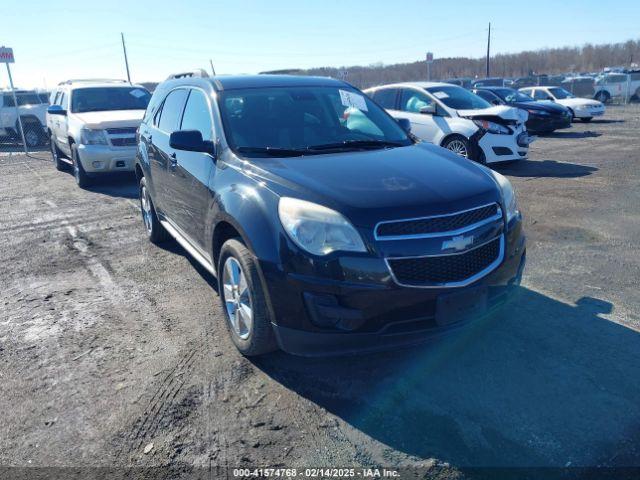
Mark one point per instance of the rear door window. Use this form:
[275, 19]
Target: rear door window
[413, 100]
[386, 97]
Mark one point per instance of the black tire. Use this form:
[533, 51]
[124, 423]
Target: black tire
[56, 155]
[261, 338]
[152, 226]
[602, 96]
[587, 119]
[82, 179]
[456, 143]
[573, 115]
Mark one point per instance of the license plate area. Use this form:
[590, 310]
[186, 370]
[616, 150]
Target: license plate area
[461, 305]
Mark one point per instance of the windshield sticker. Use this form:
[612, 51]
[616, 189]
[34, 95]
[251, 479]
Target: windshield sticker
[350, 99]
[440, 95]
[137, 93]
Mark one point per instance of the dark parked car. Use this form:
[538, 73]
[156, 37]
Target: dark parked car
[488, 82]
[329, 228]
[463, 82]
[544, 117]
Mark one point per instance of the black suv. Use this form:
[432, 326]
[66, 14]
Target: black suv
[330, 229]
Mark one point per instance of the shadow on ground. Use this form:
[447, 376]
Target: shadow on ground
[571, 134]
[544, 168]
[543, 383]
[122, 185]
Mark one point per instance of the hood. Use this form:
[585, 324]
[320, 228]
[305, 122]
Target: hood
[371, 186]
[38, 111]
[575, 102]
[111, 119]
[499, 111]
[544, 106]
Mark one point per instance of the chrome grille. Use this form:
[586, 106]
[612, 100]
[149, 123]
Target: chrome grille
[439, 225]
[123, 141]
[122, 131]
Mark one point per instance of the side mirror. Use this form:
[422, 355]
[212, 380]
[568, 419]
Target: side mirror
[191, 141]
[405, 124]
[56, 110]
[428, 109]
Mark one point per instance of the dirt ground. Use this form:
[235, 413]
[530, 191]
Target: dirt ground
[111, 347]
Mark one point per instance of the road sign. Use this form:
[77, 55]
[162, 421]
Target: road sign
[6, 55]
[429, 57]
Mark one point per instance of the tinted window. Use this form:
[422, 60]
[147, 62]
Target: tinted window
[101, 99]
[413, 100]
[197, 115]
[386, 97]
[541, 95]
[560, 93]
[488, 96]
[172, 110]
[23, 99]
[64, 101]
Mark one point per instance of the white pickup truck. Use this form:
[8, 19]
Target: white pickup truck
[32, 111]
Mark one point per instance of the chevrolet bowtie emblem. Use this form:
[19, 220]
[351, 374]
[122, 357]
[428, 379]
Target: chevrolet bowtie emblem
[457, 243]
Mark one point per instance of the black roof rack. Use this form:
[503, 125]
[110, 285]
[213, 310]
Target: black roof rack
[92, 80]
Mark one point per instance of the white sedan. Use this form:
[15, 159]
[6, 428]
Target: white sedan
[456, 119]
[582, 108]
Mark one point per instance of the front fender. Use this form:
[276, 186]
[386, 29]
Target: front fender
[252, 209]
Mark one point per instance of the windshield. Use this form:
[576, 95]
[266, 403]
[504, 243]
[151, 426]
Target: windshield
[23, 99]
[510, 95]
[560, 93]
[295, 120]
[109, 98]
[458, 98]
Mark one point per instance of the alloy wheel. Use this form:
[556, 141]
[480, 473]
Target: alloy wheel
[145, 206]
[31, 138]
[237, 298]
[458, 146]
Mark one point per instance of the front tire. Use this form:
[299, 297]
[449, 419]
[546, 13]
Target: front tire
[458, 145]
[587, 119]
[155, 231]
[244, 300]
[82, 179]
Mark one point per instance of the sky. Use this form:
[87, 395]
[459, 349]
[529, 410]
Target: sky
[54, 41]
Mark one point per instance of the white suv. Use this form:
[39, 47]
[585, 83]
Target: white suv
[456, 119]
[32, 113]
[92, 125]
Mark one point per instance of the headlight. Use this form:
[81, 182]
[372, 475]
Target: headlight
[317, 229]
[492, 127]
[538, 112]
[92, 137]
[585, 107]
[508, 195]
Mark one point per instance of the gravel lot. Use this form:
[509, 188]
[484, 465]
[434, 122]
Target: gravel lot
[109, 345]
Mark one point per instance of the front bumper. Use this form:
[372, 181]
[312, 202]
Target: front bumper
[588, 112]
[385, 315]
[503, 148]
[548, 124]
[106, 159]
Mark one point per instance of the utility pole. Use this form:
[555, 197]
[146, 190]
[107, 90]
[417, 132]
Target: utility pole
[213, 70]
[126, 60]
[488, 49]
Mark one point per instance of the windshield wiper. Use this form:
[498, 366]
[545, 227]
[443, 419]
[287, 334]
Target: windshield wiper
[272, 151]
[350, 144]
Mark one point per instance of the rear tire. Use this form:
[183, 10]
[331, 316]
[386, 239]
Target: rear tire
[82, 179]
[155, 231]
[244, 300]
[602, 96]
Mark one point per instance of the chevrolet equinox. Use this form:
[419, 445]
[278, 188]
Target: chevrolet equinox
[330, 228]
